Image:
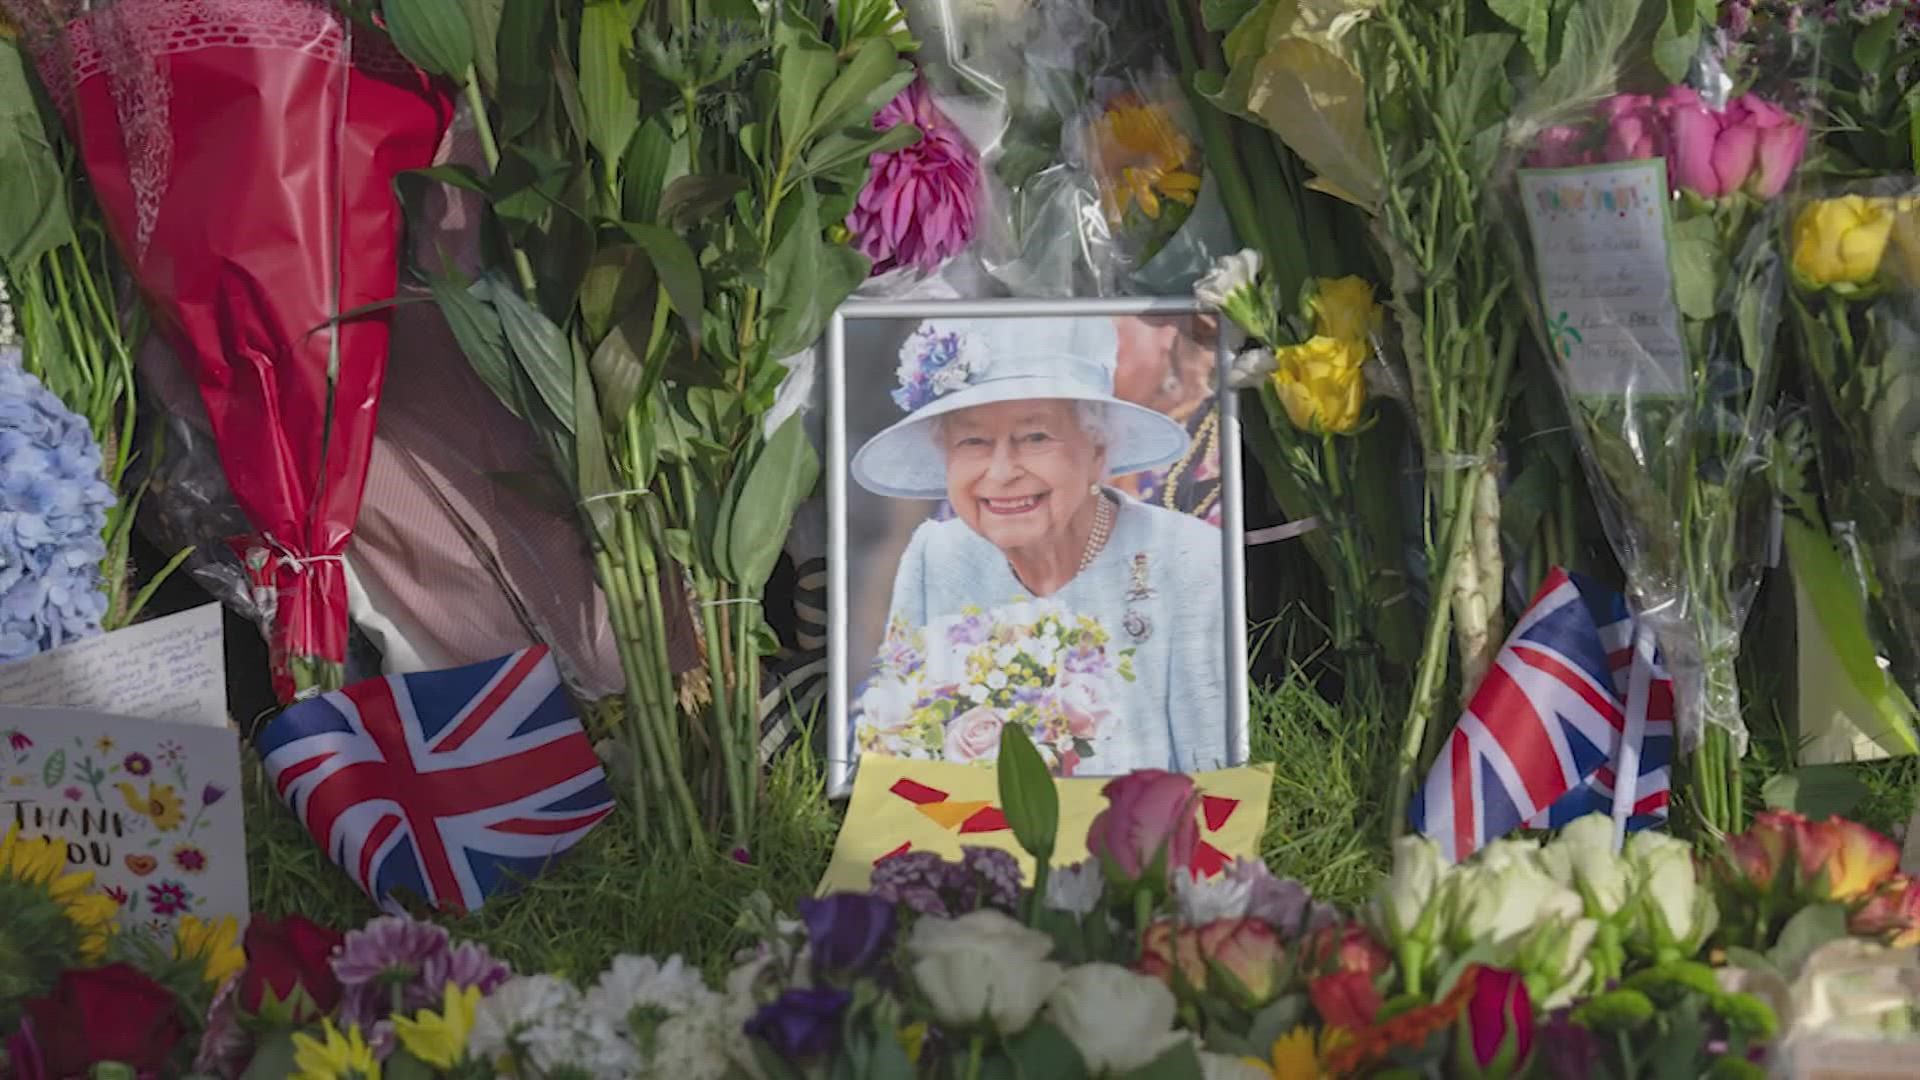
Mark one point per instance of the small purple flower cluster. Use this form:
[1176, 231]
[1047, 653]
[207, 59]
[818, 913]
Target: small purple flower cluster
[419, 958]
[927, 884]
[931, 364]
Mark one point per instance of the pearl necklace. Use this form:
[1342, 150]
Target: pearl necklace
[1102, 529]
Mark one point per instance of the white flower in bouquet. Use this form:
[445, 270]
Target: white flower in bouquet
[1118, 1020]
[1077, 889]
[518, 1004]
[1230, 275]
[1252, 367]
[1554, 959]
[1582, 856]
[1203, 900]
[666, 1012]
[1497, 904]
[1677, 914]
[1225, 1067]
[7, 325]
[983, 969]
[1411, 896]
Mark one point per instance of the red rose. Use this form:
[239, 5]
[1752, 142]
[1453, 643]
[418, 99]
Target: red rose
[1345, 999]
[287, 959]
[99, 1015]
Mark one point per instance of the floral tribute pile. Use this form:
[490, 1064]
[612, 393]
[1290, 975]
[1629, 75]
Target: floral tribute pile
[1564, 959]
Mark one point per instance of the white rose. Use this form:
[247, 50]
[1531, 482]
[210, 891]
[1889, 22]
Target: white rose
[1554, 959]
[1118, 1020]
[1583, 857]
[983, 969]
[1678, 912]
[1412, 888]
[1229, 275]
[974, 735]
[1499, 905]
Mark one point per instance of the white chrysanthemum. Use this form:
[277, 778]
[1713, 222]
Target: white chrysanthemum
[1076, 889]
[519, 1004]
[579, 1040]
[693, 1047]
[641, 982]
[1204, 900]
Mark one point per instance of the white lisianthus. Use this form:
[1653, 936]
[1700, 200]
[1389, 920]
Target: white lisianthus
[1230, 275]
[1251, 367]
[1076, 889]
[1414, 886]
[983, 969]
[1583, 857]
[1118, 1020]
[1677, 914]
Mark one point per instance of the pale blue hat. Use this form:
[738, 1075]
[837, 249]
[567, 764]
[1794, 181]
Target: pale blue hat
[950, 365]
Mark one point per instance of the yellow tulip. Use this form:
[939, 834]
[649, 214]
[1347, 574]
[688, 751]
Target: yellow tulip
[1344, 308]
[1838, 243]
[1321, 385]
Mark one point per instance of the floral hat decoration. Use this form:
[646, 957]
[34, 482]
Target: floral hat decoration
[950, 365]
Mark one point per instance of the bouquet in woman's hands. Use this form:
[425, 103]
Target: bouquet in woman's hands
[1034, 665]
[1671, 400]
[1856, 263]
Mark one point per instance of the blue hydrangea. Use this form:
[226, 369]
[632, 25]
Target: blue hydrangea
[53, 508]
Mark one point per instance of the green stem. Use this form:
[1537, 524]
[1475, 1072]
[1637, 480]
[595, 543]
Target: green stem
[1431, 670]
[490, 151]
[975, 1052]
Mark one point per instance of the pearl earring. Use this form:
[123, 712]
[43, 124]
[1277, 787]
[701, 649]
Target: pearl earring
[1093, 489]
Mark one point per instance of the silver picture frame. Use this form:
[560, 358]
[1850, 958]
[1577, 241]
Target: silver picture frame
[838, 458]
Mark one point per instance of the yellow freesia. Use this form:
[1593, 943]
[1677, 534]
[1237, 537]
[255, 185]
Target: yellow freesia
[1838, 243]
[1145, 158]
[913, 1038]
[343, 1056]
[42, 864]
[161, 805]
[213, 944]
[1344, 308]
[440, 1039]
[1321, 385]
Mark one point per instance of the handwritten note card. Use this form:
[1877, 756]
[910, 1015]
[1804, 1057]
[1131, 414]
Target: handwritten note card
[173, 668]
[151, 808]
[1606, 288]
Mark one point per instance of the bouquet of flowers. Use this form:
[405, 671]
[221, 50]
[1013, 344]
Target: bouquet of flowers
[1034, 666]
[1672, 399]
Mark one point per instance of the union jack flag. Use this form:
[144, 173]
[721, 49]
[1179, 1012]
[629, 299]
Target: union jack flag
[445, 784]
[1539, 741]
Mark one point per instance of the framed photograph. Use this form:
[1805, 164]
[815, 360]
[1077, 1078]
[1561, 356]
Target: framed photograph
[1034, 519]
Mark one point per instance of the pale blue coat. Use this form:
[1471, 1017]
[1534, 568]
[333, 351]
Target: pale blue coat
[1174, 715]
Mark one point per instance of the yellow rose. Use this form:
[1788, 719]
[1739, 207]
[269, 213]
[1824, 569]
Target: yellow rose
[1838, 243]
[1321, 385]
[1343, 308]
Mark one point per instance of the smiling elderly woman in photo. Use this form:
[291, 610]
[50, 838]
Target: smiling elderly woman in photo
[1049, 599]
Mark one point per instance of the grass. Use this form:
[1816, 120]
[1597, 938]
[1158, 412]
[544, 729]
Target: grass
[609, 896]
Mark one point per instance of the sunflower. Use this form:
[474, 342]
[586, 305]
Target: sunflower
[1145, 158]
[212, 945]
[41, 866]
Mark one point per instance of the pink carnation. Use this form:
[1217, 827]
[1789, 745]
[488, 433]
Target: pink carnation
[919, 207]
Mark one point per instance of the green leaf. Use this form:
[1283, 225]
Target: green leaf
[616, 278]
[1810, 928]
[1675, 45]
[1478, 82]
[593, 475]
[1698, 266]
[806, 67]
[546, 358]
[1534, 20]
[689, 199]
[483, 16]
[652, 156]
[619, 373]
[678, 270]
[34, 217]
[1873, 47]
[1595, 37]
[1180, 1063]
[529, 184]
[609, 78]
[842, 147]
[782, 476]
[476, 327]
[463, 177]
[523, 45]
[1842, 681]
[1817, 791]
[435, 34]
[1041, 1052]
[54, 768]
[807, 278]
[566, 87]
[1220, 16]
[1028, 796]
[272, 1058]
[873, 66]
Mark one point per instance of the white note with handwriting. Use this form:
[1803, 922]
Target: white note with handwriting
[171, 668]
[1600, 247]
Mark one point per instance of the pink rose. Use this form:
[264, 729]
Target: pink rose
[1780, 142]
[974, 735]
[1634, 130]
[1079, 701]
[1248, 957]
[1695, 160]
[1147, 827]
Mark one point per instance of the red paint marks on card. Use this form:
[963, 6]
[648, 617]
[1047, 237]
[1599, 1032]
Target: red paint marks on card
[901, 850]
[988, 820]
[917, 793]
[1217, 810]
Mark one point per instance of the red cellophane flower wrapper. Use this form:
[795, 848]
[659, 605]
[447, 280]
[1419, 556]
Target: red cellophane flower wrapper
[243, 153]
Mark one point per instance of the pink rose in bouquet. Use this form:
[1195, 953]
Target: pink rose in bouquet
[1148, 827]
[1634, 128]
[1752, 145]
[1248, 958]
[1844, 860]
[1891, 914]
[974, 735]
